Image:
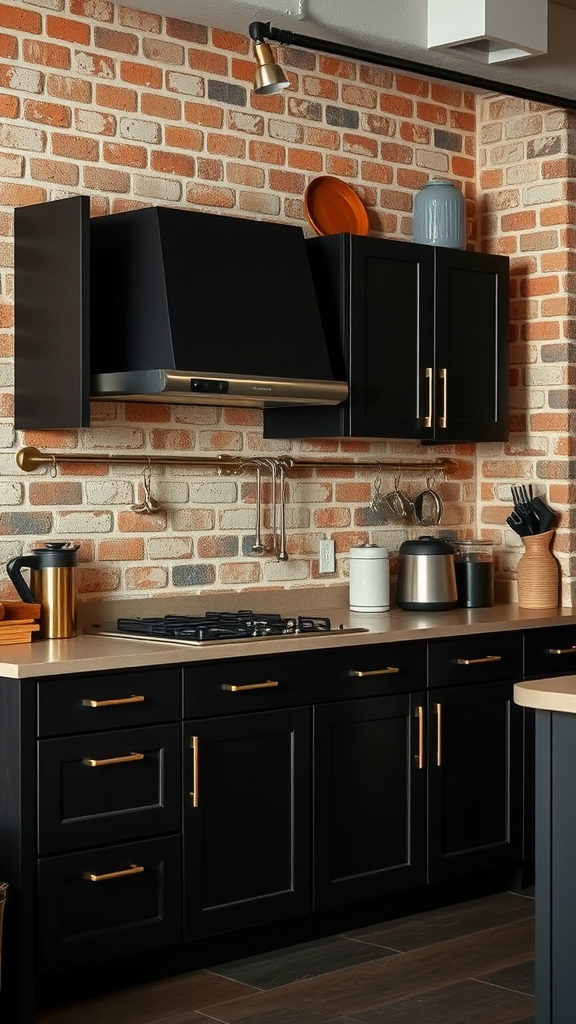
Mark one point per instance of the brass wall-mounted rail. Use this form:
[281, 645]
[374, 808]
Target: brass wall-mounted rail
[30, 458]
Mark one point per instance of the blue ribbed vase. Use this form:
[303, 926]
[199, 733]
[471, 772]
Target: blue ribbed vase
[439, 216]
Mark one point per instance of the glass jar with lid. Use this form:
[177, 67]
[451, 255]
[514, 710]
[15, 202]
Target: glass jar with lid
[474, 563]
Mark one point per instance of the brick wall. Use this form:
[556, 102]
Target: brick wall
[527, 181]
[132, 110]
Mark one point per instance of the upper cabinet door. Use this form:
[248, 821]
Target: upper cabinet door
[390, 339]
[471, 379]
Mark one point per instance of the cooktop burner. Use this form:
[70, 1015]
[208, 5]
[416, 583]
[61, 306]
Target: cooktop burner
[218, 627]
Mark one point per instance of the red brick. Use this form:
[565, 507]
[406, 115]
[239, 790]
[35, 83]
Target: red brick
[65, 28]
[399, 106]
[97, 10]
[172, 163]
[230, 41]
[321, 137]
[141, 74]
[121, 550]
[47, 113]
[8, 47]
[343, 167]
[186, 30]
[49, 54]
[119, 42]
[56, 171]
[125, 155]
[337, 68]
[413, 86]
[104, 179]
[491, 179]
[431, 112]
[73, 90]
[463, 168]
[183, 138]
[266, 152]
[524, 220]
[320, 88]
[305, 159]
[9, 106]
[116, 97]
[419, 134]
[205, 195]
[242, 70]
[464, 121]
[20, 20]
[209, 62]
[396, 154]
[166, 108]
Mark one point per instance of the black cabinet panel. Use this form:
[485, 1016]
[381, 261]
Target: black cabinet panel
[246, 780]
[550, 651]
[369, 799]
[105, 787]
[478, 658]
[110, 700]
[474, 779]
[103, 903]
[422, 334]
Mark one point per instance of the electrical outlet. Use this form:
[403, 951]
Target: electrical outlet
[326, 556]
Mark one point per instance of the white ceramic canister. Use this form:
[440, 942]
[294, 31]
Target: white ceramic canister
[439, 215]
[369, 579]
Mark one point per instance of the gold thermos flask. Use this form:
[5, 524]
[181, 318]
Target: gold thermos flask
[52, 585]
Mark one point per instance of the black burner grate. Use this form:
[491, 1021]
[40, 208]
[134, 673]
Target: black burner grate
[220, 626]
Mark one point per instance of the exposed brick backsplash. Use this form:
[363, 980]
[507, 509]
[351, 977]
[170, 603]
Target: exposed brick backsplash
[134, 109]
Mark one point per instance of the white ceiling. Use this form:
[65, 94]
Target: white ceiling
[394, 28]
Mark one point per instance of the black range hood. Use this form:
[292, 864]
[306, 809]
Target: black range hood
[200, 308]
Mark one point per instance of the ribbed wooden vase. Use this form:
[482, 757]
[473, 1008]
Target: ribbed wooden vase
[537, 573]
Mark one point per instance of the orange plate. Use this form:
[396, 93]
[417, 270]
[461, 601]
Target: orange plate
[333, 207]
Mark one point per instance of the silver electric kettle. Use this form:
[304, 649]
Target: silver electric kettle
[52, 585]
[426, 575]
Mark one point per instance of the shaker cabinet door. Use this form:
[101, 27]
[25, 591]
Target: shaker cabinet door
[369, 798]
[246, 784]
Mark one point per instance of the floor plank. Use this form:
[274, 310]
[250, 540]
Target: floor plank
[170, 1001]
[467, 1002]
[519, 978]
[356, 989]
[306, 960]
[444, 923]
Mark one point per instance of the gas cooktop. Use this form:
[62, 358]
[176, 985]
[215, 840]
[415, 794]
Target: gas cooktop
[217, 627]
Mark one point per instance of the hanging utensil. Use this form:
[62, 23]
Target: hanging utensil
[378, 503]
[428, 507]
[282, 553]
[399, 504]
[258, 546]
[149, 506]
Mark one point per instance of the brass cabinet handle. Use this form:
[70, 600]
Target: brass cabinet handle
[134, 869]
[443, 421]
[133, 699]
[429, 378]
[419, 757]
[91, 762]
[561, 650]
[194, 743]
[438, 710]
[252, 686]
[479, 661]
[374, 672]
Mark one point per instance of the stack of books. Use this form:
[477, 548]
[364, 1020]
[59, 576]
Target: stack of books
[18, 621]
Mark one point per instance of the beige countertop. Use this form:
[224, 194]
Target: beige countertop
[556, 694]
[86, 653]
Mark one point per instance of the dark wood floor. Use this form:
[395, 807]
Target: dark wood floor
[467, 964]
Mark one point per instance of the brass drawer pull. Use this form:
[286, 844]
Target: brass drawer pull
[252, 686]
[479, 661]
[134, 699]
[419, 714]
[561, 650]
[428, 417]
[91, 762]
[374, 672]
[134, 869]
[443, 422]
[194, 743]
[438, 710]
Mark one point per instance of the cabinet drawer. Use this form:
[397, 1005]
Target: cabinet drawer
[106, 787]
[262, 684]
[479, 658]
[98, 904]
[109, 700]
[550, 651]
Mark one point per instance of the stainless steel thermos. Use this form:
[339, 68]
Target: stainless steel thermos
[52, 585]
[369, 579]
[426, 575]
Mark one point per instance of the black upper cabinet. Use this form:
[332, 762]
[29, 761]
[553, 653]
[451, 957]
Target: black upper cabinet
[52, 315]
[420, 333]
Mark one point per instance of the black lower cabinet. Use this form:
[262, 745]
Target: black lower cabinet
[246, 820]
[475, 779]
[369, 798]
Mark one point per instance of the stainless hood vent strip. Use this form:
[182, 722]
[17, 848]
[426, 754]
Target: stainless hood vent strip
[180, 387]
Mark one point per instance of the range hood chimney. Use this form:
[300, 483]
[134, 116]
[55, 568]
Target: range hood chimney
[207, 309]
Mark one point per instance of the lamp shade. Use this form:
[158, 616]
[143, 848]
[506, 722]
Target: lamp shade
[269, 76]
[489, 31]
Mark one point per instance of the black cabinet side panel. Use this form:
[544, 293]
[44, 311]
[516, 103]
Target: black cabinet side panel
[52, 316]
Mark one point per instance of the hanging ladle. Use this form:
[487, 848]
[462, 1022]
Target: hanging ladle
[282, 553]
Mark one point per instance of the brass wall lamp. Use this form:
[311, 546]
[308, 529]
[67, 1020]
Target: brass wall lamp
[269, 76]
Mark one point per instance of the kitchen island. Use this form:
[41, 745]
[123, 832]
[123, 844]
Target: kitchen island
[160, 796]
[554, 701]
